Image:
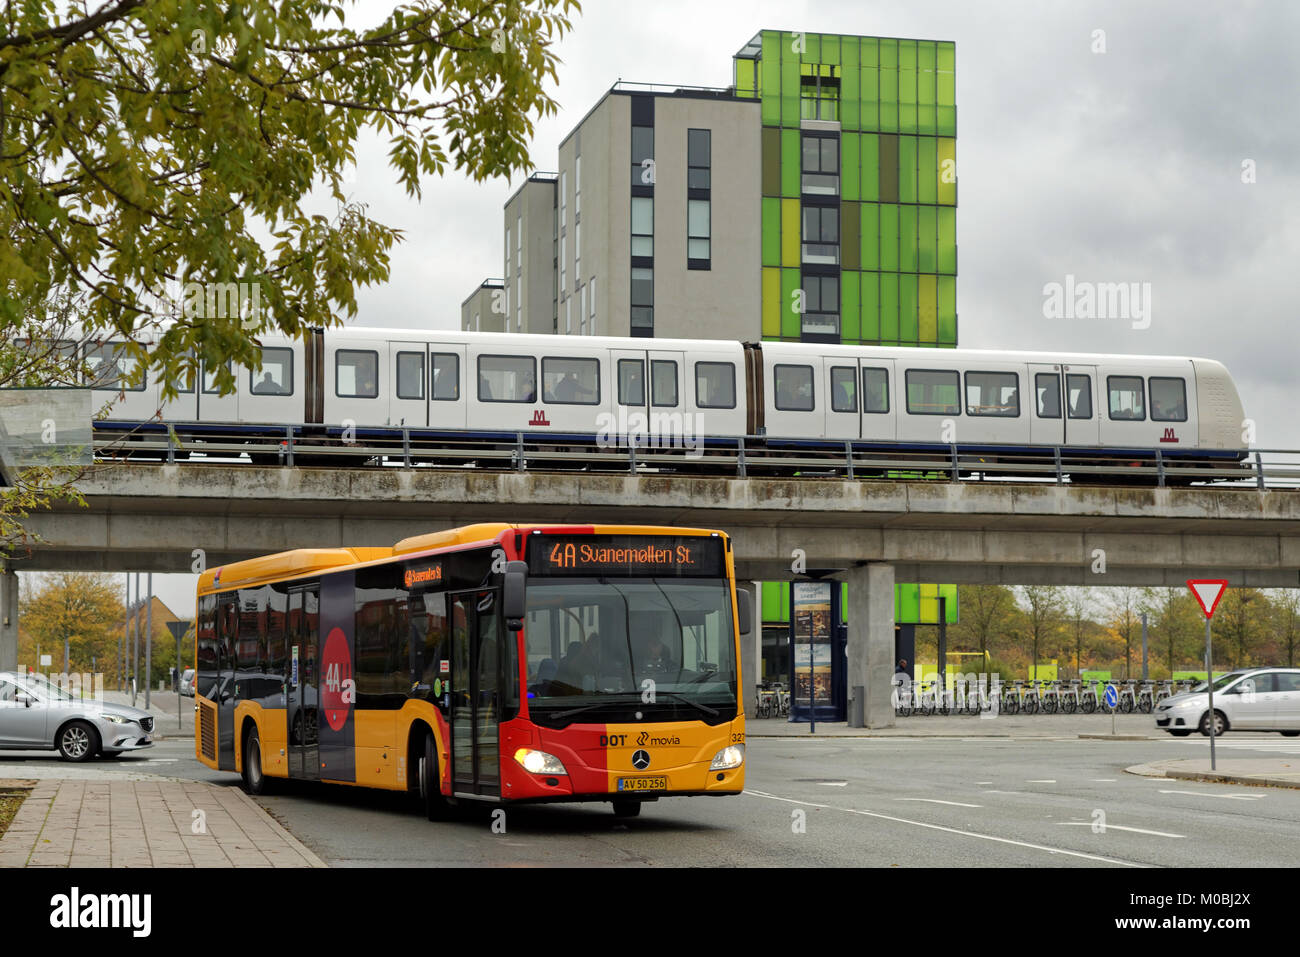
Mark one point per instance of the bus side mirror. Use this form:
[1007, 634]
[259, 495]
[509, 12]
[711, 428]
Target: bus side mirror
[513, 599]
[745, 611]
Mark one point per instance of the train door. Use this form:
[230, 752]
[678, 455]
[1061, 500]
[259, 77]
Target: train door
[673, 418]
[450, 382]
[213, 407]
[1047, 417]
[1083, 405]
[631, 395]
[880, 399]
[476, 696]
[408, 401]
[841, 405]
[304, 684]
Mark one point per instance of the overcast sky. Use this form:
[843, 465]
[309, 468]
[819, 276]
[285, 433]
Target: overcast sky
[1122, 166]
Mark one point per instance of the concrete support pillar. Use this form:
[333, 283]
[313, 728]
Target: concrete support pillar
[8, 619]
[871, 640]
[750, 648]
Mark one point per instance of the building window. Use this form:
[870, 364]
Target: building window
[697, 233]
[821, 302]
[582, 310]
[821, 235]
[564, 201]
[577, 254]
[577, 189]
[821, 165]
[698, 159]
[591, 299]
[643, 226]
[643, 300]
[819, 92]
[643, 154]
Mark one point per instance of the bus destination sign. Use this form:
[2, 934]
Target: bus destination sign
[662, 556]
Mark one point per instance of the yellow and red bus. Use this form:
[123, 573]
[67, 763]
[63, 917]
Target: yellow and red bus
[495, 662]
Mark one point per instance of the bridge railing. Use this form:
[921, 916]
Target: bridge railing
[318, 446]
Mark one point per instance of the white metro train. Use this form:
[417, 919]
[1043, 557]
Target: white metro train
[575, 388]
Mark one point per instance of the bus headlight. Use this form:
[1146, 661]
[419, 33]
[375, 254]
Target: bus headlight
[732, 756]
[539, 762]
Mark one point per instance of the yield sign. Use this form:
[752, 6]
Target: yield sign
[1208, 591]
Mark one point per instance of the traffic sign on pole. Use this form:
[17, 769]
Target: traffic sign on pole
[1208, 591]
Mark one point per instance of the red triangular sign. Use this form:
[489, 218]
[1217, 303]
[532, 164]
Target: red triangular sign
[1208, 591]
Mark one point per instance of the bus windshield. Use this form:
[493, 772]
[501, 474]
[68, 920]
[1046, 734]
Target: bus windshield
[663, 648]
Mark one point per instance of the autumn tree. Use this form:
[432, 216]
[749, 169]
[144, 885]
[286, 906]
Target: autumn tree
[988, 612]
[1044, 607]
[1240, 622]
[1175, 622]
[157, 160]
[1286, 621]
[1122, 616]
[85, 610]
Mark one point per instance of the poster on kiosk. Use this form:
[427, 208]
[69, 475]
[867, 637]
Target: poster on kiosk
[817, 652]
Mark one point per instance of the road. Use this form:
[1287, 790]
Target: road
[824, 802]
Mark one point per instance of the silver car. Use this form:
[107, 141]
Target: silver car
[187, 683]
[36, 714]
[1249, 699]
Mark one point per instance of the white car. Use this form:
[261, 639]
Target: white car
[187, 683]
[1253, 699]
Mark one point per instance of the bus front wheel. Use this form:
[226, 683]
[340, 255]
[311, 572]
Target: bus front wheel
[627, 808]
[435, 805]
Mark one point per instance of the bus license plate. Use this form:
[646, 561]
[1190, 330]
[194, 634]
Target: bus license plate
[643, 784]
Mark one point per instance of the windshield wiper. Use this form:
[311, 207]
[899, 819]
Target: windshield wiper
[591, 707]
[694, 704]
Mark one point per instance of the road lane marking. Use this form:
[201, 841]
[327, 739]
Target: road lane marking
[1104, 780]
[983, 782]
[1209, 794]
[954, 830]
[833, 784]
[937, 801]
[1119, 827]
[1040, 780]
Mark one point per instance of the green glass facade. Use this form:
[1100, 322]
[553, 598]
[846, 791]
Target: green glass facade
[914, 604]
[894, 187]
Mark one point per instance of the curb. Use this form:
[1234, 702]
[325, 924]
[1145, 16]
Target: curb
[1220, 777]
[1118, 737]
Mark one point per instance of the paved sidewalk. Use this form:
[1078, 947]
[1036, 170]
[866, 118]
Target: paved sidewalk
[102, 822]
[1280, 772]
[1128, 726]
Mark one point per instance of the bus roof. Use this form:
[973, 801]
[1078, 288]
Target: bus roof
[305, 562]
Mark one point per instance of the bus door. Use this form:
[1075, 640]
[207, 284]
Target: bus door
[476, 698]
[303, 683]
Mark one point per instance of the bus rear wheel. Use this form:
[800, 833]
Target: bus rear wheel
[254, 778]
[627, 808]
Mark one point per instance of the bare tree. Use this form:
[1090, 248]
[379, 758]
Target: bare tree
[1122, 610]
[1044, 609]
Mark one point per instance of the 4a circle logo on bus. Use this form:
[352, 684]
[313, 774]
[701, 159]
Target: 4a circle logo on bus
[338, 688]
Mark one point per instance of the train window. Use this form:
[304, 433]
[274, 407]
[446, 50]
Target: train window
[631, 382]
[1047, 387]
[993, 393]
[794, 388]
[112, 369]
[356, 374]
[715, 385]
[1168, 399]
[663, 382]
[410, 375]
[875, 390]
[931, 392]
[276, 373]
[446, 377]
[1126, 399]
[506, 379]
[1079, 390]
[570, 381]
[844, 389]
[210, 380]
